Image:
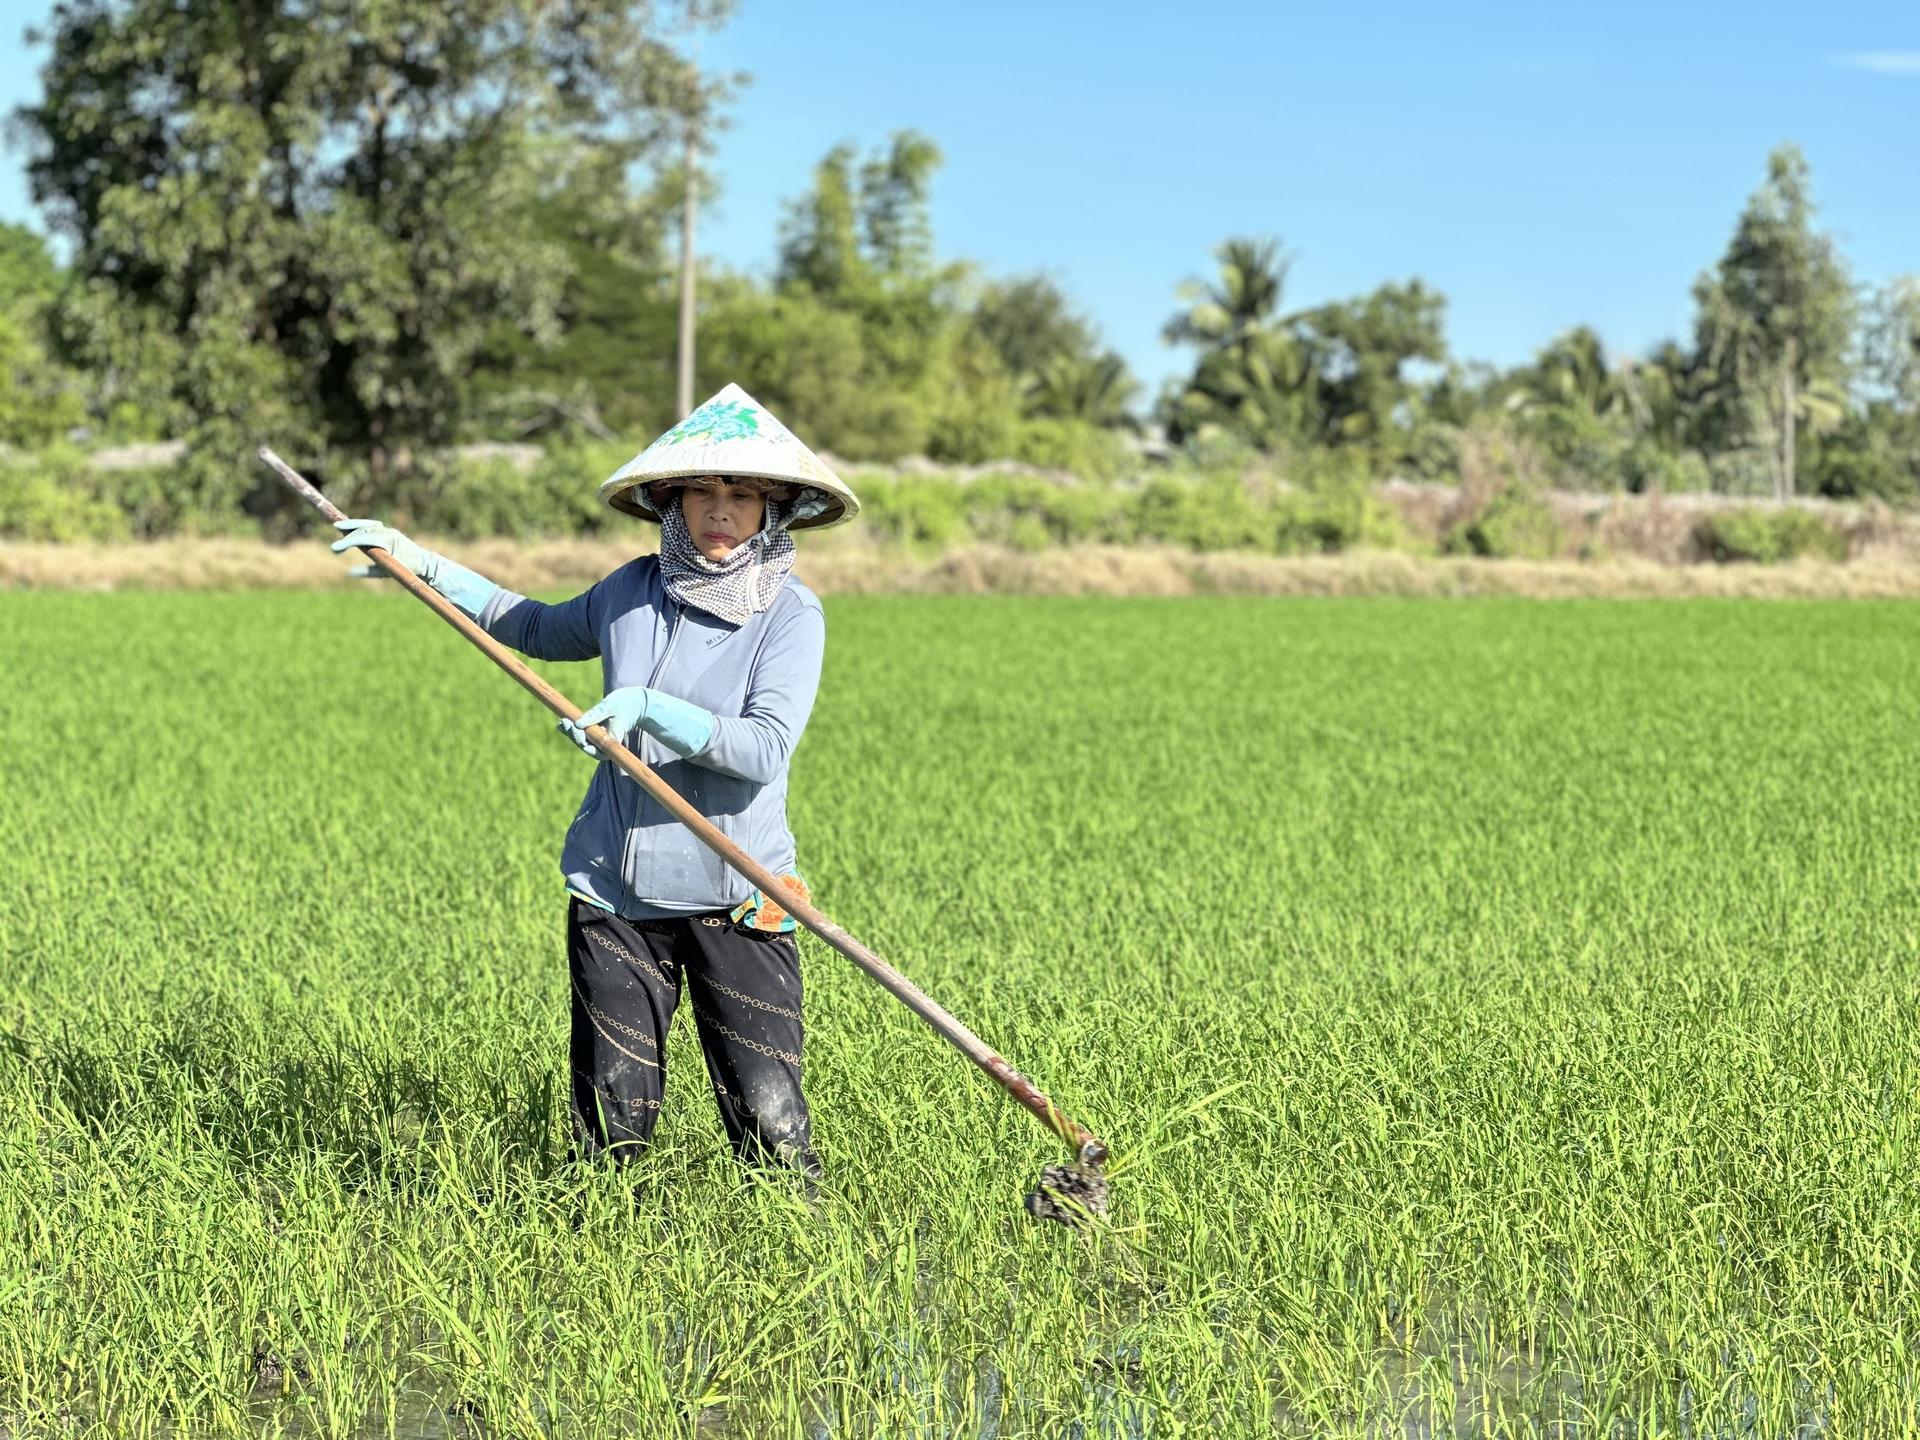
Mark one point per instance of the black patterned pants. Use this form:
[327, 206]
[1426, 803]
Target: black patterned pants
[744, 985]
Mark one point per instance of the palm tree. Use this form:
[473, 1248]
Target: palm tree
[1095, 388]
[1262, 389]
[1254, 377]
[1571, 371]
[1660, 394]
[1240, 303]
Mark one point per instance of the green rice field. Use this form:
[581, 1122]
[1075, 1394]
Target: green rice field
[1505, 1017]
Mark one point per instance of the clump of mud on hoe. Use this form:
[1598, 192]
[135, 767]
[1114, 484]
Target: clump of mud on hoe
[1071, 1194]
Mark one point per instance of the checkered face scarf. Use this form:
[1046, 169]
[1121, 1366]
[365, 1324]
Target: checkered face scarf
[743, 584]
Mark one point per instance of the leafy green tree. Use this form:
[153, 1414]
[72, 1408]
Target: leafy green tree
[304, 219]
[1030, 324]
[858, 290]
[1661, 396]
[611, 368]
[1609, 421]
[1574, 403]
[1892, 342]
[1876, 449]
[29, 275]
[982, 413]
[863, 232]
[1359, 353]
[1774, 321]
[40, 399]
[1053, 354]
[1872, 452]
[1461, 391]
[820, 237]
[1336, 374]
[824, 369]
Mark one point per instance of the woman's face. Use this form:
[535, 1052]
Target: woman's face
[721, 516]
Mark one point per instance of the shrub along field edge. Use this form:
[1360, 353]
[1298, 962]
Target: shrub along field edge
[851, 567]
[1311, 506]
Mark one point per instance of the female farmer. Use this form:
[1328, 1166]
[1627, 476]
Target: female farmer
[710, 654]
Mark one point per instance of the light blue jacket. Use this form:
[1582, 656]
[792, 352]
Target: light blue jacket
[623, 848]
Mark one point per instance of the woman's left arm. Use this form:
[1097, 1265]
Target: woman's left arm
[755, 744]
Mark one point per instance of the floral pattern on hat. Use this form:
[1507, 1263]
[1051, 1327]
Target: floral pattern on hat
[724, 420]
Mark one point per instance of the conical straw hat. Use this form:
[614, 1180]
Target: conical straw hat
[733, 435]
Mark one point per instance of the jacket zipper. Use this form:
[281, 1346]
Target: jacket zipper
[673, 634]
[626, 844]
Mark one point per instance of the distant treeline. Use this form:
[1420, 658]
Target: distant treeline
[373, 243]
[1324, 503]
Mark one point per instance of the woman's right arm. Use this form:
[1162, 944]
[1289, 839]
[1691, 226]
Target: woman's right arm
[545, 632]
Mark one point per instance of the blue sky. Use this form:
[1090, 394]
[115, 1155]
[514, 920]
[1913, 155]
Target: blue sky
[1540, 166]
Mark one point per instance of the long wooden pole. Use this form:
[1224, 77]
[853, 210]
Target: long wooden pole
[1088, 1149]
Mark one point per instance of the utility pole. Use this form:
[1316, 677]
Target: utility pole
[691, 184]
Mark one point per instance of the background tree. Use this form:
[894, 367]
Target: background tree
[1774, 321]
[40, 399]
[863, 231]
[610, 369]
[1260, 389]
[1029, 322]
[1572, 403]
[1251, 378]
[1359, 353]
[1892, 343]
[1334, 375]
[1052, 353]
[1095, 389]
[1661, 395]
[305, 218]
[1239, 302]
[1573, 371]
[1462, 391]
[857, 277]
[1875, 450]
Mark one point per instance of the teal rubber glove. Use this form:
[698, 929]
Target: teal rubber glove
[682, 727]
[459, 584]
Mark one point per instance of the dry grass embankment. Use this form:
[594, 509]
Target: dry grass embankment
[834, 565]
[1660, 529]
